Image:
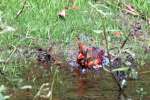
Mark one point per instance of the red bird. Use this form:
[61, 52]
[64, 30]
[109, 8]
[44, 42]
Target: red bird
[89, 57]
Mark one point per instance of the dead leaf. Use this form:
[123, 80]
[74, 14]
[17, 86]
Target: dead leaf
[74, 8]
[131, 10]
[62, 14]
[117, 34]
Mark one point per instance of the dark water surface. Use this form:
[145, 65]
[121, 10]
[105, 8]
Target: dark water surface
[71, 85]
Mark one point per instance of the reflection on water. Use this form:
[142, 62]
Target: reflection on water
[93, 86]
[89, 86]
[83, 87]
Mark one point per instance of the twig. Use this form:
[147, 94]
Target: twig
[110, 64]
[125, 41]
[106, 41]
[14, 50]
[21, 10]
[122, 45]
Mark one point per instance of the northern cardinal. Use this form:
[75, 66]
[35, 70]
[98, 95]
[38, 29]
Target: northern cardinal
[88, 57]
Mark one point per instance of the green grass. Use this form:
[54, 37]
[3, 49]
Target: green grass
[39, 26]
[40, 18]
[40, 21]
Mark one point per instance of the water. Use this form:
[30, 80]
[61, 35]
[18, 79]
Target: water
[101, 86]
[75, 86]
[72, 85]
